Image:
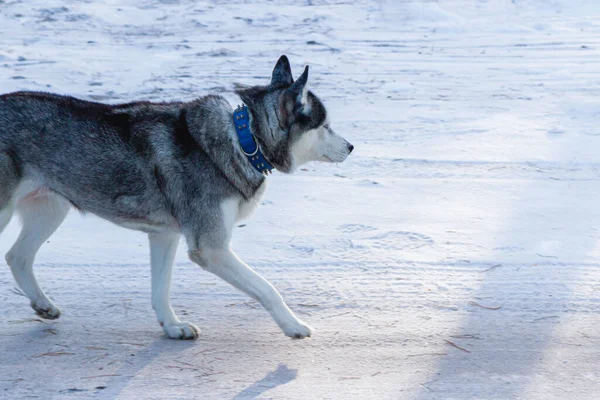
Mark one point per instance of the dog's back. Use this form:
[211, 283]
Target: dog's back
[93, 154]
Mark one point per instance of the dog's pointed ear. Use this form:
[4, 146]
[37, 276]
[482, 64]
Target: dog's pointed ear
[300, 84]
[282, 73]
[294, 100]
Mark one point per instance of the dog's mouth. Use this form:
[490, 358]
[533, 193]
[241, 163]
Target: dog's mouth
[326, 158]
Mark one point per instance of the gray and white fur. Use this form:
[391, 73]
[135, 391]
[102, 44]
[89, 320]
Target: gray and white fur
[163, 168]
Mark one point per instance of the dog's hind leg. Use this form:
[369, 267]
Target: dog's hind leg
[42, 214]
[162, 252]
[6, 213]
[9, 180]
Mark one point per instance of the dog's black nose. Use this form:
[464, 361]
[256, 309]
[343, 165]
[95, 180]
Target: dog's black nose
[350, 148]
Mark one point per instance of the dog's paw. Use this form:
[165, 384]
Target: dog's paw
[298, 330]
[46, 310]
[182, 330]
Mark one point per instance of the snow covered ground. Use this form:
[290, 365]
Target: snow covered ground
[455, 255]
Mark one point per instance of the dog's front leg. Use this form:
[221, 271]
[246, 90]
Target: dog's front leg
[162, 252]
[226, 265]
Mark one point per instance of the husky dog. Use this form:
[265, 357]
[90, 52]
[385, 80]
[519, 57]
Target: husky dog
[163, 168]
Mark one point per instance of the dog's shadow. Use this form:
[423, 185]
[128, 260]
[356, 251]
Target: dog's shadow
[113, 383]
[280, 376]
[160, 346]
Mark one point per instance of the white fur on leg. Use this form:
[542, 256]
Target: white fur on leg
[41, 217]
[226, 265]
[5, 216]
[163, 247]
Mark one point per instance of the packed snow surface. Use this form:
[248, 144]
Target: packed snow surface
[454, 255]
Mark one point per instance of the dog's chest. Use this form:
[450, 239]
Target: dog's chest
[237, 208]
[247, 207]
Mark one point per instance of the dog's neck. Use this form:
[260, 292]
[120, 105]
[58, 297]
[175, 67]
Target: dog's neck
[211, 124]
[248, 142]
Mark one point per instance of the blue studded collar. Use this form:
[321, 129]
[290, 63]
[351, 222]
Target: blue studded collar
[250, 148]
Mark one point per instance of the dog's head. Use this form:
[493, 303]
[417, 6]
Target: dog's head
[290, 122]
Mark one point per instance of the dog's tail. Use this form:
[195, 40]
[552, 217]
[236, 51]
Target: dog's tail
[9, 180]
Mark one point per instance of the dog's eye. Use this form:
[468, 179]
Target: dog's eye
[326, 126]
